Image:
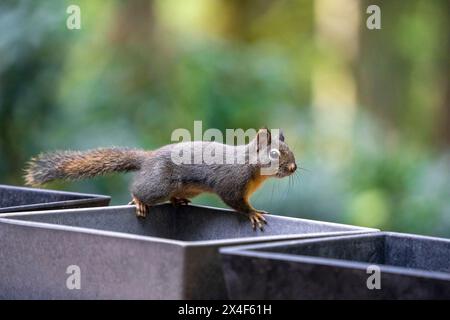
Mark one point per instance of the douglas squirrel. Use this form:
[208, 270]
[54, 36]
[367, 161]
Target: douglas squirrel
[159, 179]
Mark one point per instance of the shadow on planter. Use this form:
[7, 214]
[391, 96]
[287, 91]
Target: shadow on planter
[173, 254]
[410, 267]
[17, 199]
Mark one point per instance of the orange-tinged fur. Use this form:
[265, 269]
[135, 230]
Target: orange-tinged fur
[254, 184]
[190, 191]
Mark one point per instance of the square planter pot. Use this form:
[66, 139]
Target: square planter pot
[401, 266]
[172, 254]
[16, 199]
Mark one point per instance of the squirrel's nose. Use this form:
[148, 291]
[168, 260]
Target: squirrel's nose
[292, 167]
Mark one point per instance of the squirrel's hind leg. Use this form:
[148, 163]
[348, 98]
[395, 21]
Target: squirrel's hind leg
[141, 208]
[179, 201]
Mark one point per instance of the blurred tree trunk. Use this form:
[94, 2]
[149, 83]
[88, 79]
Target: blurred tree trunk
[402, 68]
[337, 24]
[381, 79]
[445, 126]
[134, 23]
[445, 108]
[133, 36]
[146, 59]
[239, 16]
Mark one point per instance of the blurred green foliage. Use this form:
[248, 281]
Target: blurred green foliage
[139, 69]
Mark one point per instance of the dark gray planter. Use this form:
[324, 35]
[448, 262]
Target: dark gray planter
[16, 199]
[411, 267]
[173, 254]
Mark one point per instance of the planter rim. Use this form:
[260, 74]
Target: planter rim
[88, 195]
[8, 218]
[249, 251]
[49, 205]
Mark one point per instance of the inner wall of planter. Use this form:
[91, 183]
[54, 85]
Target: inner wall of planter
[188, 223]
[394, 250]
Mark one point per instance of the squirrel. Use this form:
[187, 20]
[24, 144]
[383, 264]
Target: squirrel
[159, 179]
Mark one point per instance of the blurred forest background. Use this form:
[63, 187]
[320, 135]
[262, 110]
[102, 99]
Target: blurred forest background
[367, 112]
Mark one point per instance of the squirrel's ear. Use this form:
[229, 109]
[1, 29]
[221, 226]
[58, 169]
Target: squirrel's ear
[263, 138]
[281, 135]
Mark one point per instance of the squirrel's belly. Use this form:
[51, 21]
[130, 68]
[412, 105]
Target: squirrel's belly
[187, 192]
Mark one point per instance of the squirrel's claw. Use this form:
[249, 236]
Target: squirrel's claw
[262, 212]
[179, 202]
[141, 208]
[257, 219]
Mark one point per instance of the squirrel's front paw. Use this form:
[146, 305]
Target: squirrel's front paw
[257, 219]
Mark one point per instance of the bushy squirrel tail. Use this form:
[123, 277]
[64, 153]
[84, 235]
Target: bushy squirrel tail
[74, 165]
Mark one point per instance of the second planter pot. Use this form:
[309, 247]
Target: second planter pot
[372, 266]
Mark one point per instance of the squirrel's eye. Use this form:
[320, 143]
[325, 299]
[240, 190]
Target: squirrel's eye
[274, 154]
